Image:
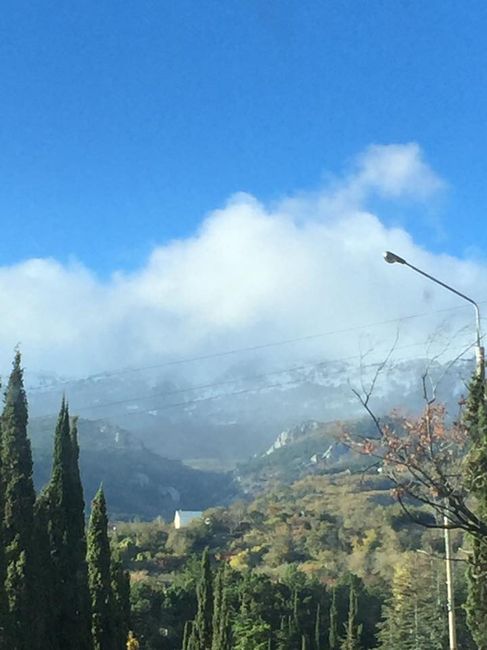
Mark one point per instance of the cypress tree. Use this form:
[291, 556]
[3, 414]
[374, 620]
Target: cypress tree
[282, 635]
[204, 615]
[76, 534]
[333, 633]
[296, 609]
[5, 637]
[217, 610]
[352, 629]
[18, 509]
[318, 627]
[188, 626]
[44, 576]
[225, 627]
[121, 600]
[221, 613]
[67, 540]
[476, 421]
[99, 575]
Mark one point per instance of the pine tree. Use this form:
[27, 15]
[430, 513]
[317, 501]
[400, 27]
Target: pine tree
[99, 575]
[67, 540]
[18, 509]
[204, 615]
[353, 629]
[333, 632]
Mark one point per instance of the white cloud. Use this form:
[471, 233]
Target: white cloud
[250, 274]
[396, 171]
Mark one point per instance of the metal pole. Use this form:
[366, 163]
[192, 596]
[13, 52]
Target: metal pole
[392, 258]
[450, 588]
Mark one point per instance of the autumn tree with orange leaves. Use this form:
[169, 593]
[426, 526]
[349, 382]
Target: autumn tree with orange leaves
[432, 462]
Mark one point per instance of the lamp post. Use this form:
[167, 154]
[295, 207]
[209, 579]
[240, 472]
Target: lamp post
[392, 258]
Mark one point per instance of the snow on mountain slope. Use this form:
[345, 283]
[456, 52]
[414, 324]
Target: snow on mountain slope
[234, 415]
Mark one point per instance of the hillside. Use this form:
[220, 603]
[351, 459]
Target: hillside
[137, 482]
[311, 448]
[313, 537]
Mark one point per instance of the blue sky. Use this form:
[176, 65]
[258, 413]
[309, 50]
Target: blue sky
[123, 123]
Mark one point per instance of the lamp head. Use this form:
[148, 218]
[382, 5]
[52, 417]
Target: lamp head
[392, 258]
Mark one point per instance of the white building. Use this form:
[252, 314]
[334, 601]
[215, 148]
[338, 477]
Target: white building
[184, 517]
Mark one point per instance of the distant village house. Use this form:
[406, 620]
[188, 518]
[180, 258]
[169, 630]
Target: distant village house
[184, 517]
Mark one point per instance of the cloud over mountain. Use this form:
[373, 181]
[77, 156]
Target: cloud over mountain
[251, 273]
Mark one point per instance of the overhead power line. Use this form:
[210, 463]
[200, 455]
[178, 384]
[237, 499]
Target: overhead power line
[217, 384]
[197, 400]
[252, 348]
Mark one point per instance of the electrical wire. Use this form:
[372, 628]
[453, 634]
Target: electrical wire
[260, 376]
[253, 348]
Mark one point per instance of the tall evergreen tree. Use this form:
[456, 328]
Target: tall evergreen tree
[221, 614]
[67, 539]
[333, 631]
[76, 534]
[204, 616]
[353, 629]
[99, 574]
[217, 606]
[45, 620]
[414, 615]
[5, 637]
[121, 600]
[282, 635]
[476, 421]
[18, 509]
[188, 628]
[318, 627]
[251, 632]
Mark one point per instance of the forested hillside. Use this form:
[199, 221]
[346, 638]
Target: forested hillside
[287, 556]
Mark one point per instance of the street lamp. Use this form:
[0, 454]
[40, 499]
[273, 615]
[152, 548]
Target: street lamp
[392, 258]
